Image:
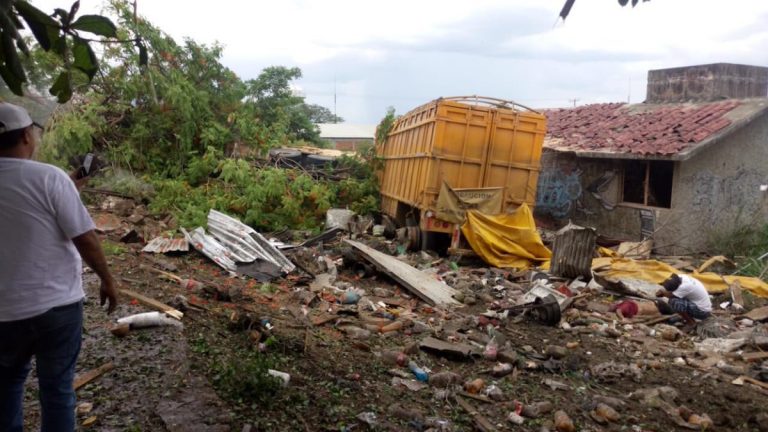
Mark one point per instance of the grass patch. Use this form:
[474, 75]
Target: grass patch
[746, 243]
[111, 248]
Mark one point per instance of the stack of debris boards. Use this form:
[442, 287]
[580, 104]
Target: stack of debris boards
[234, 242]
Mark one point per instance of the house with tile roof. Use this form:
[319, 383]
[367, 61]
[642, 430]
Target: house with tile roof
[347, 137]
[688, 164]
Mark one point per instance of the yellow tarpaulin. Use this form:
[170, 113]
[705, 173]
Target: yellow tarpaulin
[657, 272]
[507, 240]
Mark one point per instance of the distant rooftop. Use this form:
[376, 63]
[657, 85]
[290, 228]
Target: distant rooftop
[664, 131]
[346, 130]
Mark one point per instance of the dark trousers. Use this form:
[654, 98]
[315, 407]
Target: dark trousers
[53, 338]
[682, 305]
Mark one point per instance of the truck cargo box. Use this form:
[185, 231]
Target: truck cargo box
[468, 143]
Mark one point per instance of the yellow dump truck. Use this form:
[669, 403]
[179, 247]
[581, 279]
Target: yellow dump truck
[473, 148]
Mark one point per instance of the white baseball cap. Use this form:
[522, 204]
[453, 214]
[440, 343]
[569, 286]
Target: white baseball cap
[13, 117]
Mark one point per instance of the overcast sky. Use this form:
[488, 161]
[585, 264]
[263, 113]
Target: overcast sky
[402, 53]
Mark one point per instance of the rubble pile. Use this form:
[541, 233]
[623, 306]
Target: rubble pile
[419, 342]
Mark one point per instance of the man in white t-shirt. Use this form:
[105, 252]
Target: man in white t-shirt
[44, 232]
[688, 297]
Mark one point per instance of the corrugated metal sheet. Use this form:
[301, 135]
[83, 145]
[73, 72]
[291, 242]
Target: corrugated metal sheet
[165, 245]
[233, 242]
[244, 242]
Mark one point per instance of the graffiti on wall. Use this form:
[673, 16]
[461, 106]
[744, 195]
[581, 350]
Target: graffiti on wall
[558, 191]
[715, 198]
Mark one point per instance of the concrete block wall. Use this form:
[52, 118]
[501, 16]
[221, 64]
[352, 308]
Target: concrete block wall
[706, 83]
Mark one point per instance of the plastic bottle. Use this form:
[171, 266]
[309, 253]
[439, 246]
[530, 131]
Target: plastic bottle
[494, 392]
[356, 332]
[444, 379]
[604, 411]
[491, 349]
[502, 369]
[537, 409]
[515, 418]
[418, 372]
[191, 285]
[391, 327]
[474, 386]
[394, 358]
[349, 297]
[563, 423]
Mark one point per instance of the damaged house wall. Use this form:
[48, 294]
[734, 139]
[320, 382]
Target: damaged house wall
[718, 189]
[714, 191]
[585, 191]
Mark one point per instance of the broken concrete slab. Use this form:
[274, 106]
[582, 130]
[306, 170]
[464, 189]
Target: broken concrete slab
[106, 222]
[416, 281]
[759, 314]
[458, 351]
[719, 345]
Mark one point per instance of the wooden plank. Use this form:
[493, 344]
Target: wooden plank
[481, 422]
[481, 398]
[154, 304]
[416, 281]
[657, 319]
[736, 295]
[742, 379]
[91, 375]
[755, 356]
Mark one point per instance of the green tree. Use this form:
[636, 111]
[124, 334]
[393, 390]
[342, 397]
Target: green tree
[275, 103]
[63, 33]
[321, 114]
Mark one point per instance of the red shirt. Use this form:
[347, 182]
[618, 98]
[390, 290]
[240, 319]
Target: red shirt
[628, 308]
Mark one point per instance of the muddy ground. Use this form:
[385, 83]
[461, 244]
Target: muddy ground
[210, 375]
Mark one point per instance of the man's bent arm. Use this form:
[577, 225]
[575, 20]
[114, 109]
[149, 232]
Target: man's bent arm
[89, 247]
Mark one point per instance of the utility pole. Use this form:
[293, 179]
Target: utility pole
[574, 100]
[335, 115]
[629, 90]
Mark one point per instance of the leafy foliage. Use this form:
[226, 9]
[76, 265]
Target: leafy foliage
[177, 121]
[181, 103]
[385, 125]
[321, 114]
[59, 33]
[266, 198]
[275, 102]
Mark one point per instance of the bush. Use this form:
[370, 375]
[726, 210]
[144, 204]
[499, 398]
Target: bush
[268, 199]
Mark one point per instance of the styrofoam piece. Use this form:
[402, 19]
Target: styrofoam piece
[338, 218]
[540, 288]
[149, 319]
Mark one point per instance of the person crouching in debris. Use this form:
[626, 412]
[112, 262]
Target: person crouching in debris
[687, 297]
[45, 232]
